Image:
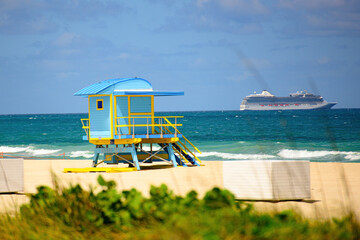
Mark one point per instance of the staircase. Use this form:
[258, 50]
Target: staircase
[181, 148]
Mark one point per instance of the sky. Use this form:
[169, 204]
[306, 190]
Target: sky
[216, 51]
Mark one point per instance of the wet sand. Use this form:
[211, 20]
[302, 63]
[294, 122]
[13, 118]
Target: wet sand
[335, 187]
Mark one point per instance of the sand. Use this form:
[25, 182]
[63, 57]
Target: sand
[335, 187]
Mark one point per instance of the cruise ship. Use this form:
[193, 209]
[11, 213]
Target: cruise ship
[296, 101]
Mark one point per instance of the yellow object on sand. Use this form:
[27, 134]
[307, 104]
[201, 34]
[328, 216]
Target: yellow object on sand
[99, 169]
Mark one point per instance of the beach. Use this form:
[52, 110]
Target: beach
[334, 186]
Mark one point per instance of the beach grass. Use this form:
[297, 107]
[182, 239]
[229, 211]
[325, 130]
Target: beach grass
[75, 213]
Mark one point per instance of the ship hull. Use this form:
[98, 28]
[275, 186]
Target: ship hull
[281, 106]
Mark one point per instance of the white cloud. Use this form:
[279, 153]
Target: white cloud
[250, 28]
[200, 3]
[310, 4]
[46, 16]
[321, 17]
[65, 39]
[238, 6]
[323, 60]
[199, 62]
[286, 17]
[123, 56]
[64, 75]
[236, 16]
[244, 76]
[68, 52]
[253, 6]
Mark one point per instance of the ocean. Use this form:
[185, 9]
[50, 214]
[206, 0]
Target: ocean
[323, 135]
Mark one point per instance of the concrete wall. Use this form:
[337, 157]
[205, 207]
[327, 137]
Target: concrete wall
[268, 179]
[11, 175]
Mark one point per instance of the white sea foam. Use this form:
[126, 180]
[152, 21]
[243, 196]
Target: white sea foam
[235, 155]
[85, 154]
[30, 150]
[353, 157]
[37, 152]
[147, 148]
[7, 149]
[296, 154]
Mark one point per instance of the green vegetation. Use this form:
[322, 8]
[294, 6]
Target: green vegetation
[74, 213]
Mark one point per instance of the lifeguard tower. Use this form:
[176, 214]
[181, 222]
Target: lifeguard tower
[124, 129]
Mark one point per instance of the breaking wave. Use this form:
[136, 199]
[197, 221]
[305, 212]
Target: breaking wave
[6, 149]
[300, 154]
[37, 152]
[78, 154]
[28, 150]
[235, 155]
[286, 154]
[289, 154]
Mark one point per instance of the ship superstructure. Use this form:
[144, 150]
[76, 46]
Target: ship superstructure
[295, 101]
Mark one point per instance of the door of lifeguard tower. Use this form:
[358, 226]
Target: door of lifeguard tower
[100, 116]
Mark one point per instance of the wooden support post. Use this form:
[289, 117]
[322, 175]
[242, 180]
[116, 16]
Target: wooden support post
[147, 127]
[175, 128]
[151, 151]
[171, 155]
[134, 157]
[95, 160]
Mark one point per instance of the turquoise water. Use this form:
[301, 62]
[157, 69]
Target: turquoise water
[328, 135]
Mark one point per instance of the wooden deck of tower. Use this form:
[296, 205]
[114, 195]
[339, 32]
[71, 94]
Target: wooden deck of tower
[124, 129]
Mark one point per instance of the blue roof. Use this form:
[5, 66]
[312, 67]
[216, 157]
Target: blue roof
[124, 86]
[96, 88]
[155, 93]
